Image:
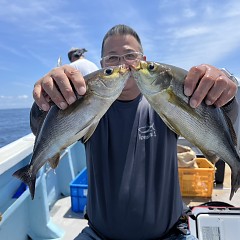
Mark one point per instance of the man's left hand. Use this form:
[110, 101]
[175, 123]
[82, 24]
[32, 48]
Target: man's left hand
[209, 84]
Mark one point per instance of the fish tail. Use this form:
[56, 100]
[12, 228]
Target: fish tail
[235, 180]
[27, 176]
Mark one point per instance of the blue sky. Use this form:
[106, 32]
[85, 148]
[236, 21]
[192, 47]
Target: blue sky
[34, 33]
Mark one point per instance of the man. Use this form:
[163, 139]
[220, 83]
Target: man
[78, 61]
[76, 53]
[133, 188]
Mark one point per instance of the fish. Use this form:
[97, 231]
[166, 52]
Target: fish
[206, 127]
[61, 128]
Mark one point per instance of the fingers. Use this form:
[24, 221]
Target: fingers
[227, 94]
[58, 86]
[195, 88]
[76, 78]
[209, 84]
[39, 97]
[192, 79]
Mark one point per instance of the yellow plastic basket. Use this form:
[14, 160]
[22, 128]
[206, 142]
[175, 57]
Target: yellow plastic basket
[197, 181]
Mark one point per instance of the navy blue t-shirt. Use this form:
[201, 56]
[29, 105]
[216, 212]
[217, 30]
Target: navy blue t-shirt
[133, 187]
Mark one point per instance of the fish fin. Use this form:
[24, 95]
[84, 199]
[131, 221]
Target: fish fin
[235, 176]
[90, 131]
[235, 181]
[54, 161]
[231, 128]
[37, 118]
[210, 156]
[27, 176]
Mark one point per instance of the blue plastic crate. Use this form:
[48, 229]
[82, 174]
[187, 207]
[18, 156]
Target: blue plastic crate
[78, 191]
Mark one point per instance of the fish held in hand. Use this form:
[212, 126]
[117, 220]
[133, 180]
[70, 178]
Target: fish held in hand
[61, 128]
[206, 127]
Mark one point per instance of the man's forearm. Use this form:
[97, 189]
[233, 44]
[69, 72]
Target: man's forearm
[231, 109]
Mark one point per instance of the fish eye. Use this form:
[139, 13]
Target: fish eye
[108, 71]
[151, 66]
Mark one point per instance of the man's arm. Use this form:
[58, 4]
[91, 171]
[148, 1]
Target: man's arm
[231, 109]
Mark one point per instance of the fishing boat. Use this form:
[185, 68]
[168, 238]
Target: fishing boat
[50, 214]
[22, 218]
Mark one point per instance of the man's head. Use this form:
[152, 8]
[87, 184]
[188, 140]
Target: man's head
[122, 45]
[76, 53]
[121, 30]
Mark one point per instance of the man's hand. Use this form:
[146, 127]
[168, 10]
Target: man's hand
[56, 86]
[205, 82]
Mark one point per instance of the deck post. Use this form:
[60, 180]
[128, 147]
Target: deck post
[41, 226]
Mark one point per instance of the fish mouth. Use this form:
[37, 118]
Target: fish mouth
[113, 91]
[149, 90]
[134, 69]
[124, 73]
[137, 67]
[123, 68]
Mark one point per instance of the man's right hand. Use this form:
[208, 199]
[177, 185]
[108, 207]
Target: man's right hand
[56, 86]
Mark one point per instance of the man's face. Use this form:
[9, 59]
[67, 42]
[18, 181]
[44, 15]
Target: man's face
[120, 45]
[73, 58]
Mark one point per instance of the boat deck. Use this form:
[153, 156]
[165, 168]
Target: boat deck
[72, 223]
[62, 215]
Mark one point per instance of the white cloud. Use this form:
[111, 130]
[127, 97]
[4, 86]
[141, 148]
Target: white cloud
[6, 97]
[22, 85]
[12, 50]
[190, 32]
[189, 13]
[42, 18]
[23, 97]
[178, 32]
[205, 34]
[21, 101]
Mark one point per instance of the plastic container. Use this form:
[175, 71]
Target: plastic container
[78, 191]
[197, 181]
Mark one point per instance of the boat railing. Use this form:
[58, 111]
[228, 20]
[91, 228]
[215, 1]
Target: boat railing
[31, 218]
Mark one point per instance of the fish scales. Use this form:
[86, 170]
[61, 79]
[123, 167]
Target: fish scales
[206, 127]
[61, 128]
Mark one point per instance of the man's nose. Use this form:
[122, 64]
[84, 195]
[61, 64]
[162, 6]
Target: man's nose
[125, 62]
[122, 60]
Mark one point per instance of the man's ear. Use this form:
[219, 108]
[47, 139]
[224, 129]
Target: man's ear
[144, 58]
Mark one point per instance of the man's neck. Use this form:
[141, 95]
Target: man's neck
[128, 96]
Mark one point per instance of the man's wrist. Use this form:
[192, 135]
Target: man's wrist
[230, 75]
[228, 105]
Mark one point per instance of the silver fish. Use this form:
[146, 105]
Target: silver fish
[206, 127]
[61, 128]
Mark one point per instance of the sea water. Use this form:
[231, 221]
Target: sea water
[14, 124]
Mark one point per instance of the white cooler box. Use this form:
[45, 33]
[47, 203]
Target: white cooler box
[215, 223]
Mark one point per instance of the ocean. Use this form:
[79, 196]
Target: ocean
[14, 124]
